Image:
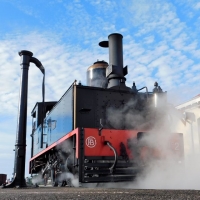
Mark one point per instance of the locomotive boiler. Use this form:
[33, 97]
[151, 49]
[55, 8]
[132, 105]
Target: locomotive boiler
[94, 133]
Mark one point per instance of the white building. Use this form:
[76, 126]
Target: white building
[190, 126]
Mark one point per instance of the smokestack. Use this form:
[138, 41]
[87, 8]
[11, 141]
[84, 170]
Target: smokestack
[115, 72]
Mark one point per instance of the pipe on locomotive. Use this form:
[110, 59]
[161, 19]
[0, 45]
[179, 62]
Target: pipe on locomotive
[20, 146]
[115, 72]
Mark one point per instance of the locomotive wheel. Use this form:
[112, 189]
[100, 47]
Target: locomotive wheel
[54, 182]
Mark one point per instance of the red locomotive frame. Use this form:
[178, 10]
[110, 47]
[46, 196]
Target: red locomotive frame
[92, 151]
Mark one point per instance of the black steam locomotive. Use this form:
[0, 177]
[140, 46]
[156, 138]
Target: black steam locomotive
[93, 133]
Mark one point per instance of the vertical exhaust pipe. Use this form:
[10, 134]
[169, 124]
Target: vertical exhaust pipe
[115, 72]
[20, 146]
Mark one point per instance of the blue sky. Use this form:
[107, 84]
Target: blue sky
[161, 43]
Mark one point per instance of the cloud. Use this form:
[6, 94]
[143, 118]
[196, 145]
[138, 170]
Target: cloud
[197, 6]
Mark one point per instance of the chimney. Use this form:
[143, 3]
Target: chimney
[115, 72]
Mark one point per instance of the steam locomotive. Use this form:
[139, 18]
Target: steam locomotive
[94, 133]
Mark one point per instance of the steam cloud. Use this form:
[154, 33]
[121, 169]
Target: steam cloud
[37, 179]
[169, 171]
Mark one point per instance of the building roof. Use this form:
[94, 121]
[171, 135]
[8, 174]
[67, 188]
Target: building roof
[196, 96]
[194, 102]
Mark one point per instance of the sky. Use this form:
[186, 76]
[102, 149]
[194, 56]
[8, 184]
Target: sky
[160, 43]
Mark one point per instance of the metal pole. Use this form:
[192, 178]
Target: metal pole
[20, 146]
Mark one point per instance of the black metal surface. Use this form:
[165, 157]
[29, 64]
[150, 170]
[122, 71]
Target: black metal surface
[110, 178]
[116, 172]
[74, 153]
[104, 44]
[20, 146]
[115, 71]
[107, 165]
[97, 169]
[120, 158]
[39, 65]
[116, 53]
[99, 104]
[81, 153]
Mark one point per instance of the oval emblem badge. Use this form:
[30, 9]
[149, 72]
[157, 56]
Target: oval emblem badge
[91, 142]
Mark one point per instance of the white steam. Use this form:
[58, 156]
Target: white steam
[37, 179]
[170, 172]
[71, 179]
[166, 169]
[65, 154]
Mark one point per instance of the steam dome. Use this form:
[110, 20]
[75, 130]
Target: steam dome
[96, 74]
